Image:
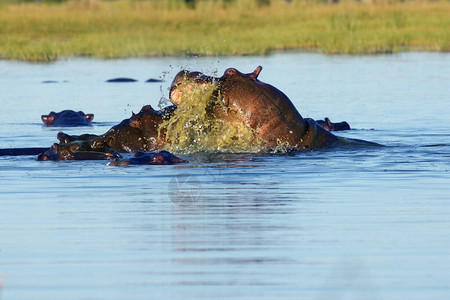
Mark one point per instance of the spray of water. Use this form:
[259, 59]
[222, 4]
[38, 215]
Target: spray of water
[194, 128]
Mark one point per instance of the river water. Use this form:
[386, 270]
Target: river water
[349, 223]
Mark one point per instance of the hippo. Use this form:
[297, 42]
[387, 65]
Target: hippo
[67, 118]
[154, 80]
[145, 158]
[140, 132]
[237, 99]
[121, 80]
[57, 155]
[261, 107]
[330, 126]
[85, 147]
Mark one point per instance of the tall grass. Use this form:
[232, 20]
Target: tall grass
[44, 32]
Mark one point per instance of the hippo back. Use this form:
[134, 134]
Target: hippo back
[262, 107]
[67, 118]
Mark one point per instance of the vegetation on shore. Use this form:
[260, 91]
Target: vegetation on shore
[130, 28]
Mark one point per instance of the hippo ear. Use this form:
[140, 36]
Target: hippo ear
[134, 121]
[89, 117]
[61, 136]
[255, 73]
[329, 124]
[47, 119]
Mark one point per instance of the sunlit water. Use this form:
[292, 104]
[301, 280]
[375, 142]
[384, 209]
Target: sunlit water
[349, 223]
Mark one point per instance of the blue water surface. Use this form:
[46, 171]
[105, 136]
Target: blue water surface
[347, 223]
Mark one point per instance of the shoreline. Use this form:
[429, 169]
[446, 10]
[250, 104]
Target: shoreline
[121, 29]
[193, 56]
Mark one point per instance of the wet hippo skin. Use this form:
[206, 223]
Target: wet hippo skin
[261, 107]
[144, 158]
[247, 100]
[67, 118]
[140, 132]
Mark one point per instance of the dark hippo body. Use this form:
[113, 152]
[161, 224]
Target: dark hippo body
[121, 80]
[145, 158]
[140, 132]
[262, 107]
[270, 113]
[84, 147]
[67, 118]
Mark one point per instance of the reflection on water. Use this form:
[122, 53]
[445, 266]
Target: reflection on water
[347, 223]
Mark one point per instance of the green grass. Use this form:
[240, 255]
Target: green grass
[45, 32]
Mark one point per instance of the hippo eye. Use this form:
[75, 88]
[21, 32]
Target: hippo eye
[230, 71]
[74, 147]
[98, 144]
[110, 141]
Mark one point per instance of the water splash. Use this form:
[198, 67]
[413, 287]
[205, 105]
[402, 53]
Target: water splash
[193, 128]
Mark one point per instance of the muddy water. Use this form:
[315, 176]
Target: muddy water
[351, 223]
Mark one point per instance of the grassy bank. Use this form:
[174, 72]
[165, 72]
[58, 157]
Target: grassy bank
[43, 32]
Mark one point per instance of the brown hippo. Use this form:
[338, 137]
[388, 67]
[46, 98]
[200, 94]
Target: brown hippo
[140, 132]
[261, 107]
[190, 79]
[241, 103]
[87, 147]
[67, 118]
[330, 126]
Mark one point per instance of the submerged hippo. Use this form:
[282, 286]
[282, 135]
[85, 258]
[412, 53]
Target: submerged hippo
[67, 118]
[85, 147]
[145, 158]
[259, 106]
[330, 126]
[140, 132]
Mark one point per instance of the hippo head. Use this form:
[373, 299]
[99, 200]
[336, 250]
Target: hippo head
[93, 148]
[330, 126]
[67, 118]
[139, 132]
[186, 82]
[259, 106]
[145, 158]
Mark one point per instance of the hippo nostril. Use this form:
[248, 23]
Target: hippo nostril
[172, 89]
[42, 157]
